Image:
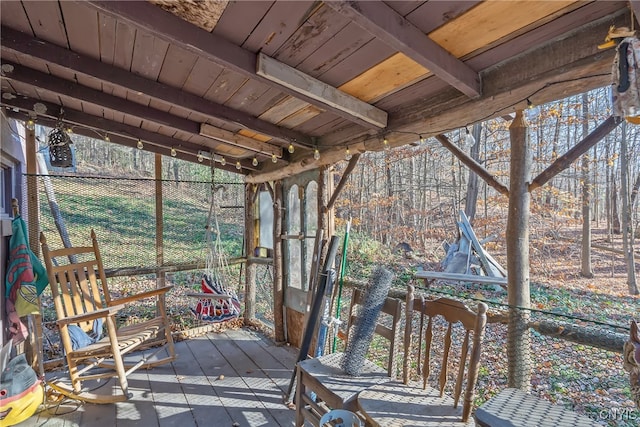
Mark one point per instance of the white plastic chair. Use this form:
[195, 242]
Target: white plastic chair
[340, 418]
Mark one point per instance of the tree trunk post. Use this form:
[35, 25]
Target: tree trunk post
[518, 339]
[587, 270]
[627, 226]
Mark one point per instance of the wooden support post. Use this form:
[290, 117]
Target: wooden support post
[518, 337]
[33, 345]
[160, 274]
[278, 285]
[250, 191]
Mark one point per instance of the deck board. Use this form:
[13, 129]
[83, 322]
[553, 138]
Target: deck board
[191, 392]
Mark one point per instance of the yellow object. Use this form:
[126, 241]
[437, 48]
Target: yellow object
[16, 409]
[633, 119]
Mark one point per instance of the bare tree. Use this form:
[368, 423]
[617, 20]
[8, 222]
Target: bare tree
[587, 270]
[627, 232]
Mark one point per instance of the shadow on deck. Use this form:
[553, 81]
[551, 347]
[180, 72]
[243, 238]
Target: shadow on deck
[234, 378]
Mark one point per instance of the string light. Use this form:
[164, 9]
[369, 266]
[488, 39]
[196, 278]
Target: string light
[421, 139]
[469, 140]
[223, 161]
[385, 142]
[140, 144]
[254, 162]
[200, 157]
[173, 152]
[106, 137]
[69, 130]
[274, 159]
[316, 154]
[238, 165]
[347, 154]
[31, 124]
[291, 148]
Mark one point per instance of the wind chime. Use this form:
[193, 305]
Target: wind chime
[60, 154]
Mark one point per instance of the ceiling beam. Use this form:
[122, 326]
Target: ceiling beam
[172, 29]
[110, 127]
[73, 90]
[24, 44]
[285, 75]
[394, 30]
[565, 67]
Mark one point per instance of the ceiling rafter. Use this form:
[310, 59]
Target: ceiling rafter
[172, 29]
[393, 29]
[19, 42]
[82, 93]
[99, 124]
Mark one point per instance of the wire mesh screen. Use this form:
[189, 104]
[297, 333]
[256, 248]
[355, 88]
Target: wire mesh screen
[122, 213]
[575, 363]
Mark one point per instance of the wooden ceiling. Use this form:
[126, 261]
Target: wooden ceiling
[255, 80]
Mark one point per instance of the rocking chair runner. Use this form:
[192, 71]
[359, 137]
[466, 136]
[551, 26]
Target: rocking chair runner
[82, 300]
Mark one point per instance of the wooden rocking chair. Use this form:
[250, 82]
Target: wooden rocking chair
[81, 298]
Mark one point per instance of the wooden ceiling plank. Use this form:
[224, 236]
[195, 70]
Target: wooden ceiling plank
[123, 52]
[14, 40]
[635, 7]
[177, 66]
[247, 94]
[82, 27]
[300, 116]
[313, 88]
[391, 75]
[434, 14]
[283, 108]
[239, 140]
[239, 18]
[312, 125]
[491, 21]
[364, 58]
[392, 28]
[225, 86]
[46, 21]
[149, 53]
[202, 76]
[281, 21]
[13, 12]
[107, 34]
[84, 94]
[321, 26]
[163, 25]
[335, 50]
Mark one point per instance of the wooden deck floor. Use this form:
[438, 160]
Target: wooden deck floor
[191, 391]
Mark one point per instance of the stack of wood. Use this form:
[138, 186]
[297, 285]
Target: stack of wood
[467, 256]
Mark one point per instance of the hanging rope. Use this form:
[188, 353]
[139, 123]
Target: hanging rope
[223, 304]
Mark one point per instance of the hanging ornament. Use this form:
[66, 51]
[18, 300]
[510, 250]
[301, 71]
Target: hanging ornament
[60, 154]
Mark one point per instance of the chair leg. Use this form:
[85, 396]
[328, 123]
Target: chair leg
[299, 403]
[117, 357]
[167, 330]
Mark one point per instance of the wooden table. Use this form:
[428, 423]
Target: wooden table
[515, 408]
[394, 404]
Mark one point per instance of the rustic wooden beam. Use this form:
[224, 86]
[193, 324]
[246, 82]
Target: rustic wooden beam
[238, 140]
[119, 133]
[565, 67]
[300, 82]
[393, 29]
[562, 162]
[353, 161]
[635, 8]
[327, 157]
[180, 33]
[473, 165]
[24, 44]
[54, 84]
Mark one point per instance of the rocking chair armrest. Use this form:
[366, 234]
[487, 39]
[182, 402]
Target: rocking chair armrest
[141, 295]
[208, 295]
[85, 317]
